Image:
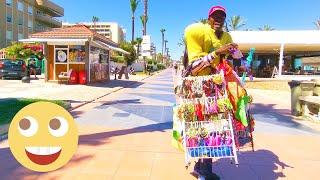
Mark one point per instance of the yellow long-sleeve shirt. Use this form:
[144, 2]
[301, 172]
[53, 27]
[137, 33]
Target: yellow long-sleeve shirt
[201, 40]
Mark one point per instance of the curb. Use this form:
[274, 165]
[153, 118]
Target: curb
[113, 91]
[3, 136]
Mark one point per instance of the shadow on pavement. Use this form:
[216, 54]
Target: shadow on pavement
[102, 138]
[75, 114]
[11, 169]
[268, 114]
[126, 101]
[162, 97]
[261, 164]
[117, 83]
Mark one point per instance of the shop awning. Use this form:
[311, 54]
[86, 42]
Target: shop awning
[56, 41]
[99, 45]
[271, 41]
[115, 48]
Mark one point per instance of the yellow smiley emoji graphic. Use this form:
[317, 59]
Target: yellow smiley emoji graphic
[43, 136]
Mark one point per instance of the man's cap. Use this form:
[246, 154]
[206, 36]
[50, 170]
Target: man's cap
[216, 8]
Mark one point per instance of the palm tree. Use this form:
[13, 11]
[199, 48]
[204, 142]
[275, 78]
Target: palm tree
[144, 20]
[182, 42]
[133, 5]
[317, 23]
[95, 19]
[235, 23]
[165, 46]
[145, 14]
[203, 21]
[162, 33]
[138, 41]
[266, 27]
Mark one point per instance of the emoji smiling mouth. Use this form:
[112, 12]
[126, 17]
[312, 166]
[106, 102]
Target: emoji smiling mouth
[43, 155]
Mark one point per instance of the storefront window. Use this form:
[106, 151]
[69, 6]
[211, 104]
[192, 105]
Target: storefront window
[77, 54]
[61, 55]
[99, 67]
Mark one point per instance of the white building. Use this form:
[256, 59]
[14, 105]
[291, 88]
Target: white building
[282, 47]
[110, 30]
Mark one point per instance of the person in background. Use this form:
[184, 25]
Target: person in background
[32, 68]
[175, 68]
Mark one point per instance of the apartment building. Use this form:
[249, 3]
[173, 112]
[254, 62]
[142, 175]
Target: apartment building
[108, 29]
[19, 18]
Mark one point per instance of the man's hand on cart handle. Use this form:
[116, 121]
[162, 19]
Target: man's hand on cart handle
[226, 48]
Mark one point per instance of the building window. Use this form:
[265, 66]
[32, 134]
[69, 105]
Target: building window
[9, 17]
[9, 35]
[30, 10]
[20, 6]
[20, 20]
[30, 24]
[20, 36]
[9, 2]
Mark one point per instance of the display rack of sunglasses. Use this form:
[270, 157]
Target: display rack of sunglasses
[209, 137]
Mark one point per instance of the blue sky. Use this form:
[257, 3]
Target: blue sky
[175, 15]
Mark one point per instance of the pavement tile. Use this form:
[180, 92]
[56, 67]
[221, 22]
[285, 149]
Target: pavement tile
[136, 164]
[170, 168]
[105, 162]
[130, 177]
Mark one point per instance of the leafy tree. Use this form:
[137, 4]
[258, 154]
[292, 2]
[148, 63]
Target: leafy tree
[23, 51]
[266, 28]
[129, 58]
[138, 41]
[133, 5]
[317, 23]
[162, 35]
[144, 20]
[203, 21]
[95, 19]
[235, 23]
[145, 14]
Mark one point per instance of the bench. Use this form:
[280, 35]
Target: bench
[64, 76]
[310, 100]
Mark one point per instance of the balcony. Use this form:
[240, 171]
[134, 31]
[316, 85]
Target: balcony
[50, 7]
[50, 21]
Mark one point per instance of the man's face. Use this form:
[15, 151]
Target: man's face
[216, 20]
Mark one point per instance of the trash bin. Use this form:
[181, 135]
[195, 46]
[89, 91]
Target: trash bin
[316, 90]
[73, 77]
[82, 77]
[295, 93]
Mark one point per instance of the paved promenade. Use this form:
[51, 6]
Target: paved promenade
[127, 135]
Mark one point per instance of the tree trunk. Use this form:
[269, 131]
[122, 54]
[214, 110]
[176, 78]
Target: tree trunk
[132, 36]
[145, 17]
[162, 45]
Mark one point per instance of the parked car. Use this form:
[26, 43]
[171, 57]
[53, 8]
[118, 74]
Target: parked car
[12, 68]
